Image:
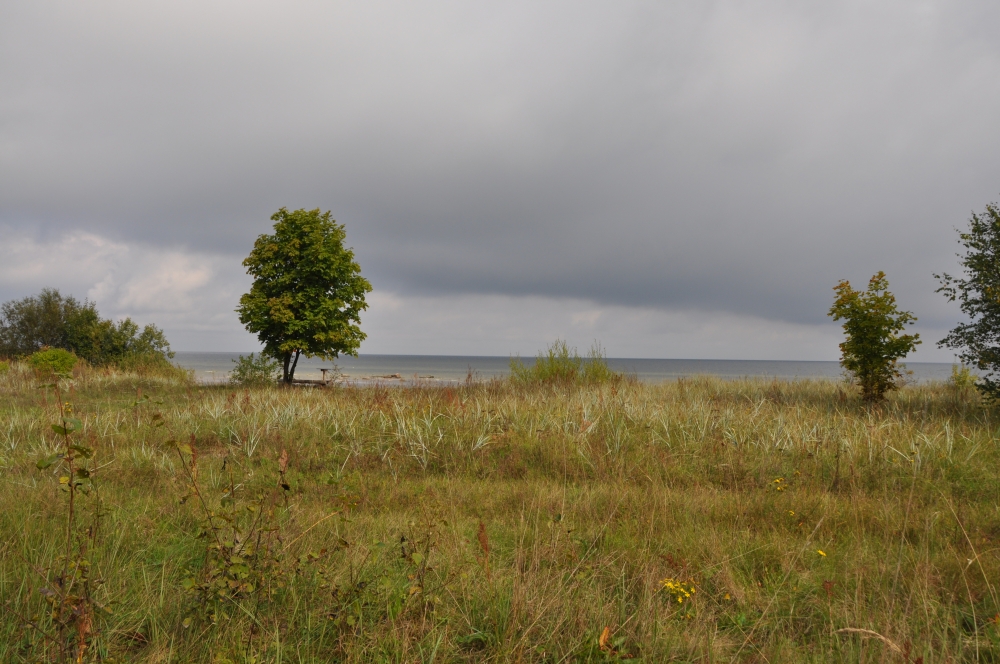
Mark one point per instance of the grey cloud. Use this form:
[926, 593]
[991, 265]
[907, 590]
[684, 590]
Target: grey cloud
[722, 156]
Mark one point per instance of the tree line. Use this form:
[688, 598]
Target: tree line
[308, 294]
[50, 320]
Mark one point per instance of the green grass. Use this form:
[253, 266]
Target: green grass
[561, 364]
[589, 496]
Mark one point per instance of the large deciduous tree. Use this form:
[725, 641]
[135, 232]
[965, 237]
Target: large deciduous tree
[308, 292]
[874, 345]
[978, 295]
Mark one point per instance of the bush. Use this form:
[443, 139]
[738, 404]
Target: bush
[962, 377]
[4, 367]
[561, 364]
[53, 361]
[254, 371]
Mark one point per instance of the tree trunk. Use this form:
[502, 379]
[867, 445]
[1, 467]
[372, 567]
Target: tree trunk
[291, 373]
[284, 373]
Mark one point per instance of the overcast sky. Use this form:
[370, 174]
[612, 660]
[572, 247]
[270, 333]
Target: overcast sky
[675, 179]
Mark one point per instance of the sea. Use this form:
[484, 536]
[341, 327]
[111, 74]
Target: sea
[452, 369]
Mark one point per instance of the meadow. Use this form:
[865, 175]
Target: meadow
[699, 520]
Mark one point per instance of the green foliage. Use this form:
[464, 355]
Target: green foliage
[254, 371]
[125, 346]
[962, 377]
[873, 347]
[46, 319]
[978, 295]
[308, 292]
[51, 320]
[242, 568]
[71, 622]
[4, 367]
[561, 364]
[53, 361]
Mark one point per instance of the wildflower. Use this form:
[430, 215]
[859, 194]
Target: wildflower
[820, 552]
[679, 590]
[791, 513]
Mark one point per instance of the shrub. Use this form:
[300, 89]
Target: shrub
[53, 361]
[561, 364]
[962, 377]
[4, 367]
[251, 371]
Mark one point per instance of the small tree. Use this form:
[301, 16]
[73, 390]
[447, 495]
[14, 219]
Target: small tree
[308, 292]
[873, 346]
[978, 295]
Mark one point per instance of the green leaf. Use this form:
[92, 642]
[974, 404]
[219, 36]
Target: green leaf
[417, 558]
[73, 423]
[82, 472]
[239, 570]
[83, 451]
[61, 430]
[45, 462]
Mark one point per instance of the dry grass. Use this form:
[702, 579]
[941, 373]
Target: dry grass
[589, 497]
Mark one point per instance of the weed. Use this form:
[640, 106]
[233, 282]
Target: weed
[242, 564]
[69, 624]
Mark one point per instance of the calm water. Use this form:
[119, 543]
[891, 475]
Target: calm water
[215, 367]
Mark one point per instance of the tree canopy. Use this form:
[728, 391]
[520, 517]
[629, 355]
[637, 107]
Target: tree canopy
[308, 292]
[52, 320]
[873, 347]
[978, 295]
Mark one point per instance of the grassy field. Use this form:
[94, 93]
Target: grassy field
[699, 520]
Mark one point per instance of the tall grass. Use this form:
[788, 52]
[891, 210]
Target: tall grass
[519, 521]
[561, 364]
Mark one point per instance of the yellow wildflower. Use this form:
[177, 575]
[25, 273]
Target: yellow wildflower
[679, 590]
[820, 552]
